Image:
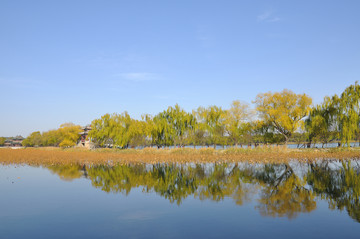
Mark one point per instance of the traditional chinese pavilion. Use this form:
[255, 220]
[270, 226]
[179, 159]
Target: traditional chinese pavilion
[84, 139]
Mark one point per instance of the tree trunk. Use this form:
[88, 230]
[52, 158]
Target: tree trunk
[286, 140]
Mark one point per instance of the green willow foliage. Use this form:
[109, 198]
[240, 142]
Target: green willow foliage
[176, 127]
[172, 127]
[336, 118]
[348, 113]
[321, 124]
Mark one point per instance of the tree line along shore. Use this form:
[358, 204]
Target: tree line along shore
[277, 118]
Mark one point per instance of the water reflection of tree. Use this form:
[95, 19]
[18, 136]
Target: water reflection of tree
[340, 187]
[175, 183]
[282, 191]
[66, 172]
[225, 181]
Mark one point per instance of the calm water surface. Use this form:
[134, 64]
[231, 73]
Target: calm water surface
[297, 200]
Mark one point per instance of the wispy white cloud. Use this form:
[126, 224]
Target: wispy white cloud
[138, 76]
[268, 16]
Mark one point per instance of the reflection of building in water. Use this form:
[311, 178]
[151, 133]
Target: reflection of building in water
[85, 141]
[14, 142]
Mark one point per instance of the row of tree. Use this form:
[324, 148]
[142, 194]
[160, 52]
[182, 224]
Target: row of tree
[278, 118]
[66, 136]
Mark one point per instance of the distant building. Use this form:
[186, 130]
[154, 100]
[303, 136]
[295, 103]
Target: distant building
[85, 141]
[14, 141]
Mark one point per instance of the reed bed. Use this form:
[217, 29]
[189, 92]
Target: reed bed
[52, 156]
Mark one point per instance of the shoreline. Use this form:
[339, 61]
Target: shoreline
[52, 155]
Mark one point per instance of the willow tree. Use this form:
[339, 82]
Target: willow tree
[138, 133]
[122, 134]
[214, 118]
[163, 132]
[148, 128]
[182, 122]
[112, 130]
[172, 126]
[199, 134]
[237, 121]
[283, 110]
[348, 113]
[209, 127]
[101, 130]
[321, 125]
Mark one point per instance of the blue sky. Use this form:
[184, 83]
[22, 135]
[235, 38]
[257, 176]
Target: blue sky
[73, 61]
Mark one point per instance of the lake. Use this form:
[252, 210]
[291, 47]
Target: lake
[229, 200]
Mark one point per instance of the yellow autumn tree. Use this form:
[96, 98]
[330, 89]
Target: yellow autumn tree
[69, 134]
[283, 110]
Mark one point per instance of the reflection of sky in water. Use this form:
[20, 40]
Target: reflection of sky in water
[141, 215]
[36, 203]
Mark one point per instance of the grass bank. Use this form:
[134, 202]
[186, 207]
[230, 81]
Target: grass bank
[49, 155]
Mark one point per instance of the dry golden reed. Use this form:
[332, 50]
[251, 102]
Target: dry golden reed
[49, 156]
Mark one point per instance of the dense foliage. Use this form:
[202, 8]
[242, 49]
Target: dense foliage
[337, 118]
[66, 136]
